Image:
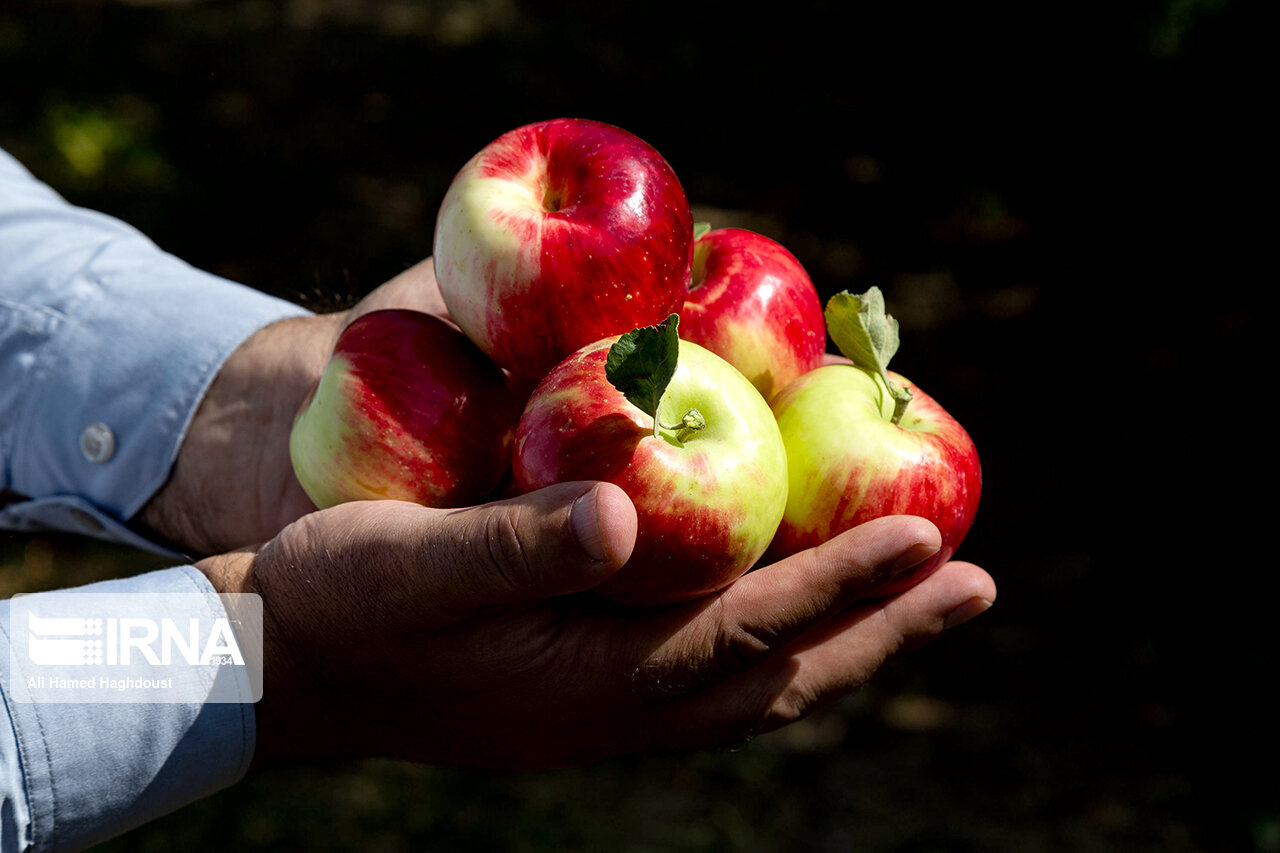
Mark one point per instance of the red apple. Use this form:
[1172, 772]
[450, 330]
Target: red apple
[407, 409]
[558, 234]
[863, 442]
[752, 303]
[702, 461]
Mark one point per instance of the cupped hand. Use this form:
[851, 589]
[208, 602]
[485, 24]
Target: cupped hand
[471, 636]
[232, 484]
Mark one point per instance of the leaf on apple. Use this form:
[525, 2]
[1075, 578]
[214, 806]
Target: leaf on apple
[868, 337]
[861, 328]
[641, 363]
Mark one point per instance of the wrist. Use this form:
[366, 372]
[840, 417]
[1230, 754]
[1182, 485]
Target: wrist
[232, 484]
[233, 572]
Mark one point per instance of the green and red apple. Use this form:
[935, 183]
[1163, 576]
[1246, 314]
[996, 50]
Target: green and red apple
[557, 234]
[406, 409]
[863, 442]
[685, 435]
[752, 303]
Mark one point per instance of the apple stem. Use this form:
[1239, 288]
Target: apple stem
[692, 421]
[901, 398]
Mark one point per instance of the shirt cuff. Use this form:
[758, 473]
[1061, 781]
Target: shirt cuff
[73, 775]
[114, 381]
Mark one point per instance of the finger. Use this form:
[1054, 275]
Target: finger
[841, 655]
[562, 539]
[846, 653]
[554, 541]
[767, 609]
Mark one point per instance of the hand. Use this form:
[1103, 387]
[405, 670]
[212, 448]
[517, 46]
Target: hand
[470, 637]
[232, 484]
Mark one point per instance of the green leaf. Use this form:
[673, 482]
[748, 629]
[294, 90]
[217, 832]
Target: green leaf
[862, 330]
[642, 362]
[868, 337]
[700, 228]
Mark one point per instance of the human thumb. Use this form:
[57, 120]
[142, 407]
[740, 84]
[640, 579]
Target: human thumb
[558, 540]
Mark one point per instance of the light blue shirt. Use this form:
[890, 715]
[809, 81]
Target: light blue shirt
[107, 345]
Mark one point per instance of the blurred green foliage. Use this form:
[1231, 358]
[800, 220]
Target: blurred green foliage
[98, 144]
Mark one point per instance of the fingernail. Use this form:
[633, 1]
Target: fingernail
[584, 521]
[966, 611]
[913, 556]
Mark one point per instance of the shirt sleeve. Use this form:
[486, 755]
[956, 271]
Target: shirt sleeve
[107, 345]
[73, 775]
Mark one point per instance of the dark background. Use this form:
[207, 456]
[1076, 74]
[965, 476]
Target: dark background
[1065, 206]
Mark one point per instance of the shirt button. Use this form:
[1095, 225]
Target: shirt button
[97, 442]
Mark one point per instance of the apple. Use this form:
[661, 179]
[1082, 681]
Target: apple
[752, 303]
[863, 441]
[406, 409]
[684, 434]
[558, 234]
